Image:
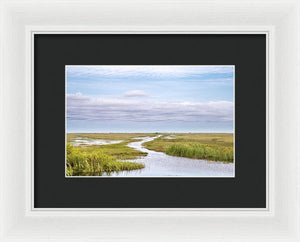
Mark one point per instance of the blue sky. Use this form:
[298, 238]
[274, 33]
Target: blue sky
[150, 98]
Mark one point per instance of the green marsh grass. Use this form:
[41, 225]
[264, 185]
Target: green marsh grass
[81, 161]
[119, 151]
[106, 136]
[93, 160]
[202, 151]
[207, 146]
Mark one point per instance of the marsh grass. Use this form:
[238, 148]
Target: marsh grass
[202, 151]
[106, 136]
[119, 151]
[94, 160]
[81, 161]
[207, 146]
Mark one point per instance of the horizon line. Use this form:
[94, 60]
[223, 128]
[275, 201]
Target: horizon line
[149, 132]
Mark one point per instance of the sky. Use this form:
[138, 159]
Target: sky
[150, 98]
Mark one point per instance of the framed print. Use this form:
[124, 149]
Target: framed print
[42, 104]
[162, 114]
[121, 121]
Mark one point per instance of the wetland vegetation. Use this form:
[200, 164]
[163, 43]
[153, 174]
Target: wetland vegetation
[207, 146]
[84, 159]
[87, 159]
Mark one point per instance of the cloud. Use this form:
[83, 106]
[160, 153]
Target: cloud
[135, 93]
[80, 107]
[165, 71]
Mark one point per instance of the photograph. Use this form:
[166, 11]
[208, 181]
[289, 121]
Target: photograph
[135, 121]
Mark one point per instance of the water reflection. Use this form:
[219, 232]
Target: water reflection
[160, 164]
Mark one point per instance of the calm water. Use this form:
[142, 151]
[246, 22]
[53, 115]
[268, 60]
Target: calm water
[160, 164]
[83, 142]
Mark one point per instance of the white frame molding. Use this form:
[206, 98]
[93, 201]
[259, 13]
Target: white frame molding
[33, 30]
[279, 20]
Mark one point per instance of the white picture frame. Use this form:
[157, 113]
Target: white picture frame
[279, 20]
